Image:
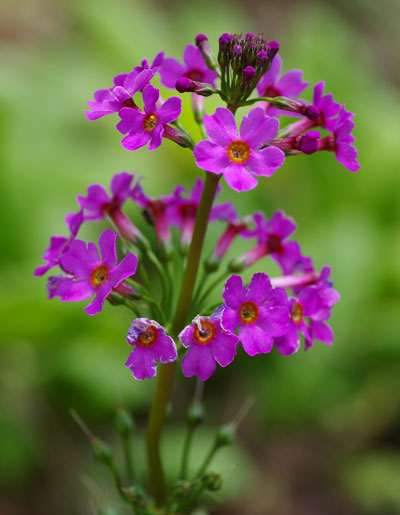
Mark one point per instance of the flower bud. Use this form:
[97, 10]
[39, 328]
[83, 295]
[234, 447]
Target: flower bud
[309, 142]
[195, 414]
[102, 451]
[212, 482]
[312, 112]
[123, 422]
[249, 74]
[226, 434]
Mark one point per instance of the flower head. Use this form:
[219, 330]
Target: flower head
[98, 202]
[271, 235]
[290, 85]
[157, 62]
[315, 304]
[108, 101]
[234, 155]
[60, 244]
[208, 343]
[257, 311]
[146, 127]
[151, 344]
[93, 275]
[194, 68]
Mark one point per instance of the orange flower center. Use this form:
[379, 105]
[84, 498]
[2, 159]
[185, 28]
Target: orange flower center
[297, 312]
[248, 312]
[148, 338]
[204, 332]
[99, 275]
[238, 151]
[149, 122]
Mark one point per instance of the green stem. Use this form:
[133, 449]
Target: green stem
[215, 283]
[166, 371]
[128, 458]
[208, 459]
[186, 447]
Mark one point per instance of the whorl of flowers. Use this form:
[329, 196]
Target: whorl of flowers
[261, 315]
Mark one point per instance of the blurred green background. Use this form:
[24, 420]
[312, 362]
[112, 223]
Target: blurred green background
[323, 435]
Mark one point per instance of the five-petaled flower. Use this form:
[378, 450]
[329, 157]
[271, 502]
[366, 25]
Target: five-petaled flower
[151, 344]
[91, 275]
[256, 311]
[148, 126]
[208, 343]
[234, 155]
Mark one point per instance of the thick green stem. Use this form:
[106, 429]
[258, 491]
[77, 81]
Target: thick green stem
[166, 371]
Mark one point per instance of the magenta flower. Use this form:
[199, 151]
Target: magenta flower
[340, 142]
[328, 110]
[208, 343]
[157, 62]
[182, 211]
[256, 311]
[235, 226]
[108, 101]
[194, 68]
[236, 156]
[313, 302]
[150, 344]
[157, 211]
[98, 203]
[290, 85]
[271, 235]
[148, 126]
[91, 275]
[60, 244]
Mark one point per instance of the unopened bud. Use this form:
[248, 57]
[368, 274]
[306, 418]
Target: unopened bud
[212, 482]
[200, 38]
[309, 142]
[248, 74]
[124, 423]
[195, 414]
[212, 263]
[312, 112]
[185, 85]
[226, 434]
[102, 451]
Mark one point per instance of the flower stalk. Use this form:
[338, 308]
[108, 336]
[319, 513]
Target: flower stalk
[166, 371]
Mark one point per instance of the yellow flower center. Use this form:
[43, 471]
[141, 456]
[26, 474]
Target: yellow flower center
[149, 122]
[297, 312]
[204, 332]
[238, 151]
[248, 312]
[99, 275]
[148, 338]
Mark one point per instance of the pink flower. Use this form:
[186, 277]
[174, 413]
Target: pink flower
[208, 343]
[239, 157]
[151, 344]
[91, 275]
[146, 127]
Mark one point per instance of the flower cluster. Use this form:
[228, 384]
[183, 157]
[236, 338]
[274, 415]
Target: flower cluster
[267, 313]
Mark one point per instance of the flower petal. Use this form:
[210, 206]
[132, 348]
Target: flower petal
[97, 303]
[234, 292]
[238, 178]
[254, 340]
[257, 128]
[198, 361]
[170, 110]
[150, 97]
[211, 157]
[259, 288]
[224, 348]
[123, 270]
[221, 127]
[135, 141]
[141, 363]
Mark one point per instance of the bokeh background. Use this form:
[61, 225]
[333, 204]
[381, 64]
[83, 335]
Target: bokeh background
[323, 434]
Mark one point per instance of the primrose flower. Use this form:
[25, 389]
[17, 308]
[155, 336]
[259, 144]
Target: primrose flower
[340, 142]
[234, 155]
[256, 311]
[271, 235]
[290, 85]
[108, 101]
[208, 343]
[194, 68]
[313, 302]
[98, 203]
[148, 126]
[156, 211]
[151, 344]
[182, 212]
[60, 244]
[91, 275]
[157, 62]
